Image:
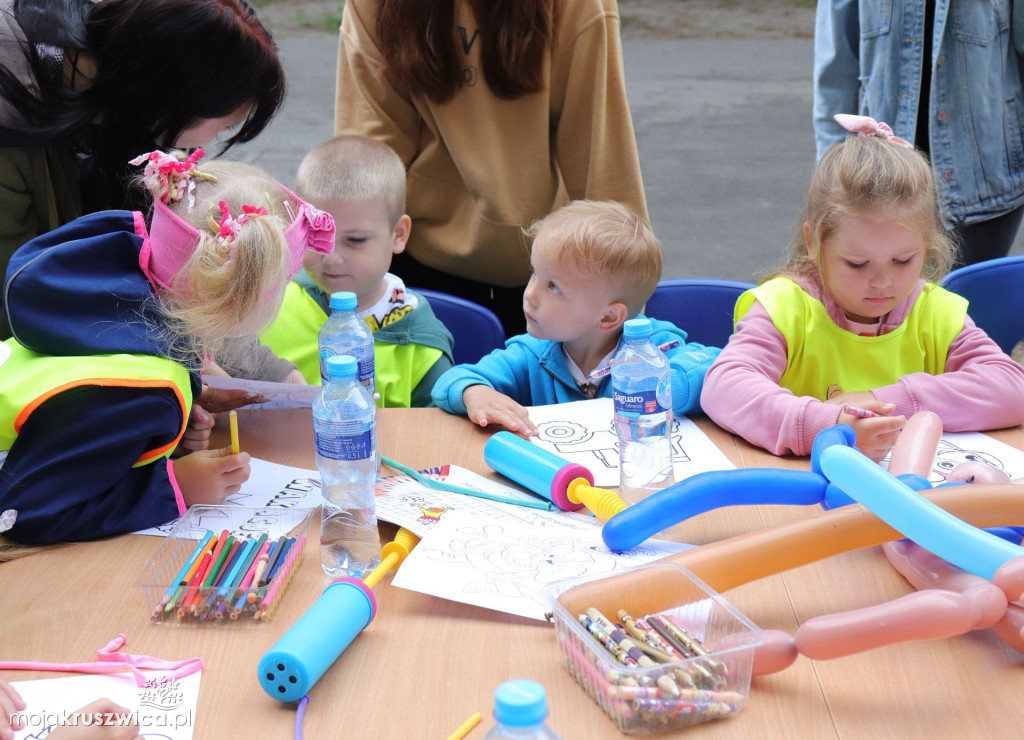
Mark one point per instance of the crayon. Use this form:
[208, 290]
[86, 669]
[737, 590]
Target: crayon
[462, 730]
[272, 572]
[270, 600]
[275, 555]
[609, 644]
[182, 577]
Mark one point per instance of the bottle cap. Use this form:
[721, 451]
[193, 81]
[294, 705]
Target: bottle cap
[520, 703]
[638, 327]
[341, 366]
[344, 300]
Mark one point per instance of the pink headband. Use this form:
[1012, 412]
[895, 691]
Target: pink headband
[867, 126]
[172, 240]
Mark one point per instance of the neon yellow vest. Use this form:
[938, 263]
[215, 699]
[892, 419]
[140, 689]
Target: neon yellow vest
[398, 367]
[824, 359]
[28, 379]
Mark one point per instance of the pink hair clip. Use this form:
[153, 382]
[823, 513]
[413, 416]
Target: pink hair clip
[868, 126]
[171, 176]
[228, 227]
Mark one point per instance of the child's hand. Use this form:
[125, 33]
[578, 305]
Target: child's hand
[876, 434]
[95, 724]
[484, 406]
[197, 432]
[210, 476]
[10, 704]
[216, 400]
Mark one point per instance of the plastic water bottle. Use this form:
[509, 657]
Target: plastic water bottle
[344, 419]
[521, 706]
[345, 333]
[642, 393]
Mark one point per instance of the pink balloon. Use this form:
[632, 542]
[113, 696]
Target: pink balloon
[914, 451]
[778, 653]
[974, 471]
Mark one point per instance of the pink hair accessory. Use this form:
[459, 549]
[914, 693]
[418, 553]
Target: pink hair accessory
[171, 240]
[228, 227]
[868, 126]
[171, 176]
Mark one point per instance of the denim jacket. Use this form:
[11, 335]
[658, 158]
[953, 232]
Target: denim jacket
[867, 60]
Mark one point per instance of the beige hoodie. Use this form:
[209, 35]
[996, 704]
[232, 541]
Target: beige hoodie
[481, 168]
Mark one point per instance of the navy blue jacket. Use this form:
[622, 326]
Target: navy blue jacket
[79, 290]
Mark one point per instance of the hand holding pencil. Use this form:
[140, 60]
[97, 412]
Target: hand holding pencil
[870, 420]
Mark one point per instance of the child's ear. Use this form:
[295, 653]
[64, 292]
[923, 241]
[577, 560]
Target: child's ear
[807, 242]
[400, 234]
[614, 316]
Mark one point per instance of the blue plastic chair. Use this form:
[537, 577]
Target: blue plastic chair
[995, 289]
[702, 307]
[476, 329]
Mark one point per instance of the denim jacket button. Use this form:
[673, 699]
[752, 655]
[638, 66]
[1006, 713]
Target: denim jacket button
[948, 174]
[941, 116]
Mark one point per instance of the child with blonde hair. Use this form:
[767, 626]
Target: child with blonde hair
[853, 329]
[112, 319]
[595, 264]
[361, 182]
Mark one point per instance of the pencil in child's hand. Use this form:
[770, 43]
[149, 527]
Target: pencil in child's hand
[233, 423]
[859, 412]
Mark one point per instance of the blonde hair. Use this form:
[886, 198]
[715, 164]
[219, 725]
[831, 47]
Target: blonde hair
[608, 241]
[869, 175]
[354, 169]
[221, 288]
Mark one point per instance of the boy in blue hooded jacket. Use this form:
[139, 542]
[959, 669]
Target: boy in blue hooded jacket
[595, 264]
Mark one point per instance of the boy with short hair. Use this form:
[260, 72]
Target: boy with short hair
[361, 183]
[595, 264]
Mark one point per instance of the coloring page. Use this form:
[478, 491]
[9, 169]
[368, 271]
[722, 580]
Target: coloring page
[955, 448]
[269, 486]
[584, 432]
[165, 709]
[506, 565]
[408, 503]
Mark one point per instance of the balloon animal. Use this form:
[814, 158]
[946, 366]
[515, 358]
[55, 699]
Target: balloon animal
[975, 589]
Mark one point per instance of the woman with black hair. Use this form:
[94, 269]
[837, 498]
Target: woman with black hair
[85, 86]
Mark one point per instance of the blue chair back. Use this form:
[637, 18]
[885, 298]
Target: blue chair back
[702, 307]
[995, 289]
[476, 329]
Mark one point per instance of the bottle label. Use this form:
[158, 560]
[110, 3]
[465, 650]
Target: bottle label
[334, 443]
[646, 401]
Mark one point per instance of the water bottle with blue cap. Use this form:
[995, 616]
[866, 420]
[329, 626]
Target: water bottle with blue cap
[521, 708]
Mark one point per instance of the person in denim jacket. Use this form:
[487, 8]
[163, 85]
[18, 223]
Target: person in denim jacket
[954, 91]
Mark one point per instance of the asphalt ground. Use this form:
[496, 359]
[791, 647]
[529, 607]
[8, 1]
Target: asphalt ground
[723, 127]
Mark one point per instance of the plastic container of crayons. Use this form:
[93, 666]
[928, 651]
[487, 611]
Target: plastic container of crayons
[654, 646]
[225, 565]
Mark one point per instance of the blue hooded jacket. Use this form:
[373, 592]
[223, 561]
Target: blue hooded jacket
[533, 372]
[75, 291]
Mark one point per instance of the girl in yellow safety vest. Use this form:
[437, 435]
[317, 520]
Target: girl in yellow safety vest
[112, 318]
[853, 329]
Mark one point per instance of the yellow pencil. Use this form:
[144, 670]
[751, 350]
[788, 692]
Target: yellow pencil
[233, 420]
[465, 727]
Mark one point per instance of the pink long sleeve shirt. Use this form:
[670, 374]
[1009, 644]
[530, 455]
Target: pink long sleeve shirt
[981, 387]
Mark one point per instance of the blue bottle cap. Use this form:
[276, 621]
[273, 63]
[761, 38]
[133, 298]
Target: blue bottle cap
[639, 327]
[341, 366]
[520, 703]
[344, 300]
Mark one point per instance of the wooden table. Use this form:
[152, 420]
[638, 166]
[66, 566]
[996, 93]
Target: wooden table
[425, 664]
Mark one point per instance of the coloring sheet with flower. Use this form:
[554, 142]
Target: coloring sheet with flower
[165, 709]
[584, 432]
[505, 565]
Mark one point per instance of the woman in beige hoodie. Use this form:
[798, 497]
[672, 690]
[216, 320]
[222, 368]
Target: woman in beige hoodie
[501, 112]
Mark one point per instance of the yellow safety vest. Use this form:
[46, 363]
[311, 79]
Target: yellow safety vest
[398, 367]
[822, 359]
[29, 378]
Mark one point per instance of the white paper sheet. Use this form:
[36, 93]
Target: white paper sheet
[958, 447]
[165, 710]
[584, 432]
[270, 485]
[506, 565]
[278, 395]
